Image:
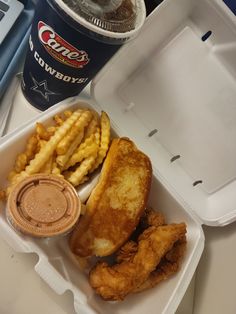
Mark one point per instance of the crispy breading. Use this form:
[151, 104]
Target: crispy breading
[168, 266]
[149, 218]
[153, 218]
[116, 203]
[117, 281]
[127, 251]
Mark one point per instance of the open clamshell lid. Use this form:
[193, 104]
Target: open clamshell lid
[173, 91]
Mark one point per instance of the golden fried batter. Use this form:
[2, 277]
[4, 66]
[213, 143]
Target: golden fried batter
[127, 251]
[115, 282]
[168, 266]
[149, 218]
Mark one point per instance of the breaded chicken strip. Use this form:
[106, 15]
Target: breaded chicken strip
[152, 218]
[149, 218]
[115, 282]
[168, 266]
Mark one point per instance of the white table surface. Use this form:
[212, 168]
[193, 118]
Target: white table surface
[212, 290]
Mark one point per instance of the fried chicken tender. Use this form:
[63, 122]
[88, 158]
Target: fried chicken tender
[168, 266]
[127, 252]
[152, 218]
[117, 281]
[149, 218]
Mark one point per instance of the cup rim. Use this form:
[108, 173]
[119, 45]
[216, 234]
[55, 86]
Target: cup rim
[103, 32]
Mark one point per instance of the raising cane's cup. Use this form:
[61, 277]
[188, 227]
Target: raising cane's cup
[71, 40]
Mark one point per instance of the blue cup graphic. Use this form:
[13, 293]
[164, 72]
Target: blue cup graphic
[66, 52]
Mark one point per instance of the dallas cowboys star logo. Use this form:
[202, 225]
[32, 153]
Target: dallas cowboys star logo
[42, 88]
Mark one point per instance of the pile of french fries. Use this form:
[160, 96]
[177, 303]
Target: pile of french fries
[72, 148]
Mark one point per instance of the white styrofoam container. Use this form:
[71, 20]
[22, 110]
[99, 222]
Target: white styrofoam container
[182, 88]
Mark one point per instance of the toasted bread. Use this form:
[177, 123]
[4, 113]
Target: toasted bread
[116, 203]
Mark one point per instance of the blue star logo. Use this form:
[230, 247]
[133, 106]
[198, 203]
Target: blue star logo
[42, 88]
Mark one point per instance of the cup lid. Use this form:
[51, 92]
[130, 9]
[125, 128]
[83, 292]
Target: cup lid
[43, 206]
[111, 16]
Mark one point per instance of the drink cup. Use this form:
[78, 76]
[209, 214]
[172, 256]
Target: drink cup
[71, 41]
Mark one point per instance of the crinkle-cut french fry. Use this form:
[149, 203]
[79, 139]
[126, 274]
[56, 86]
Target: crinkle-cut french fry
[51, 130]
[11, 176]
[21, 162]
[56, 170]
[58, 119]
[82, 154]
[42, 143]
[23, 158]
[31, 147]
[66, 174]
[91, 128]
[84, 150]
[63, 159]
[78, 176]
[42, 132]
[85, 179]
[47, 167]
[48, 149]
[97, 136]
[16, 179]
[67, 113]
[105, 140]
[2, 195]
[80, 124]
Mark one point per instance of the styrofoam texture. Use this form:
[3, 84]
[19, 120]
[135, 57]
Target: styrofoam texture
[178, 26]
[172, 82]
[58, 267]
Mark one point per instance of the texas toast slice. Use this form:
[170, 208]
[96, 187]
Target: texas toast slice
[116, 203]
